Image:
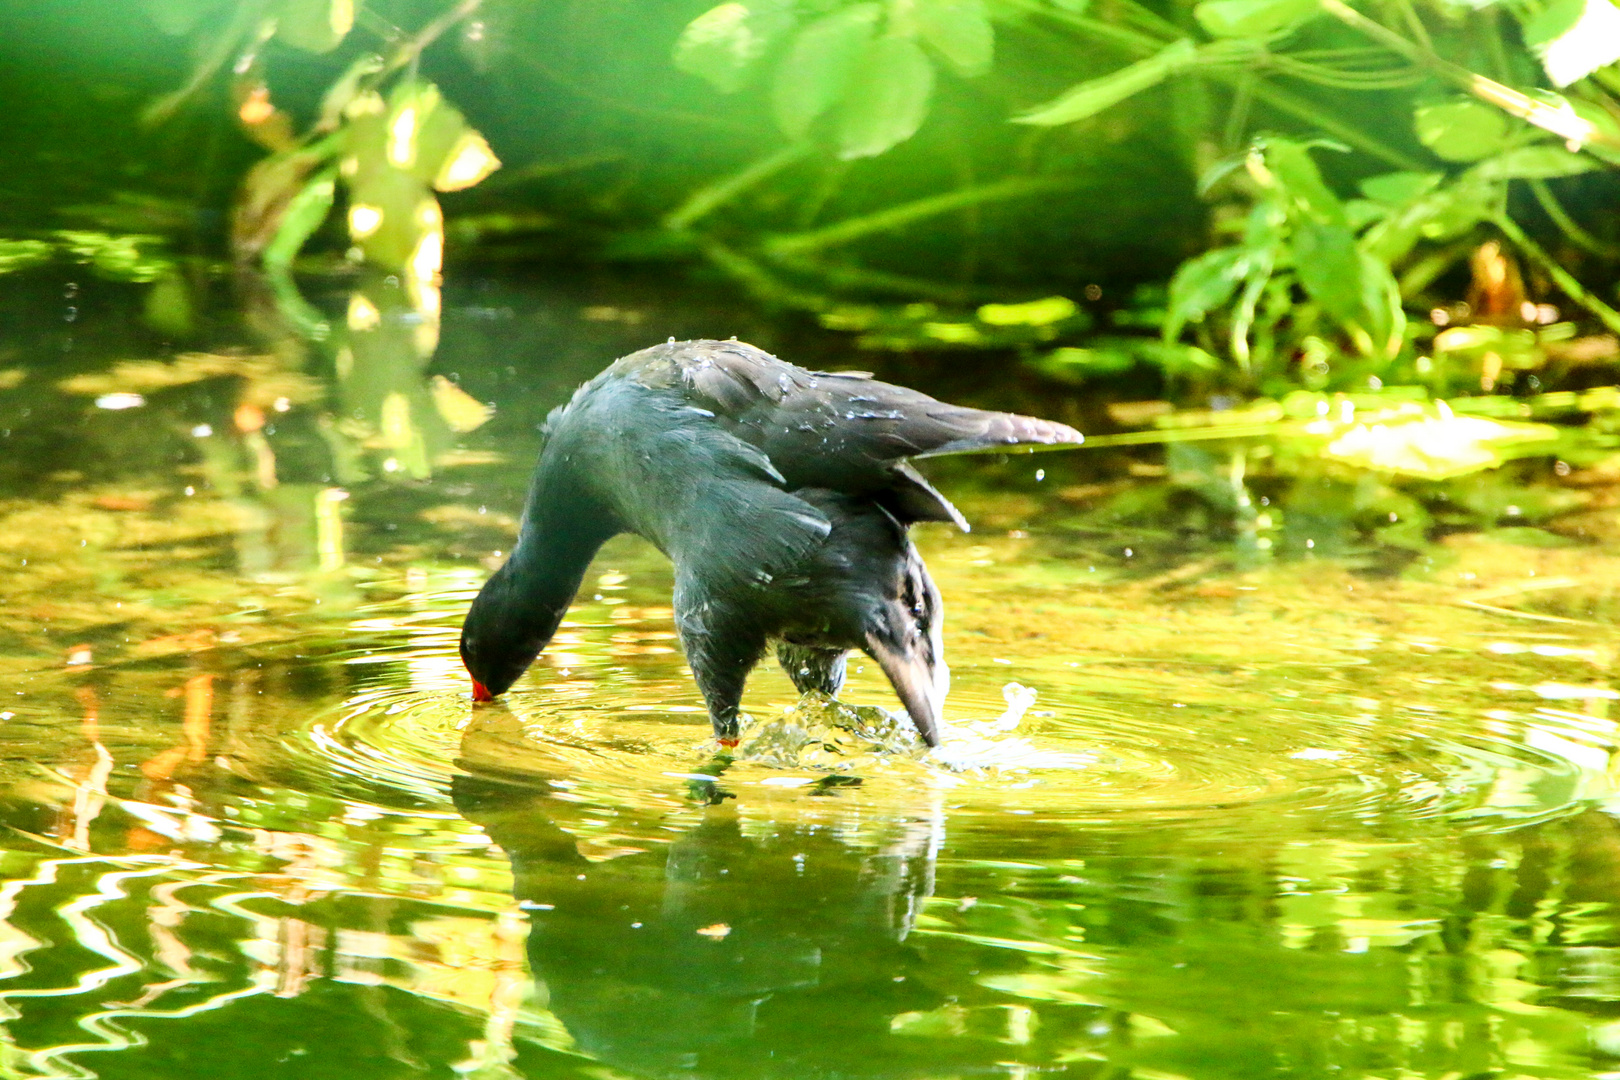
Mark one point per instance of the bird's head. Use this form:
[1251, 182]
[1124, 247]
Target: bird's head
[504, 631]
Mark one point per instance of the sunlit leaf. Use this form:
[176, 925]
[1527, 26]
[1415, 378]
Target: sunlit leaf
[1201, 285]
[817, 69]
[1399, 188]
[179, 17]
[428, 137]
[391, 214]
[168, 307]
[1252, 18]
[121, 258]
[1381, 301]
[303, 215]
[1442, 214]
[1462, 129]
[1574, 38]
[1295, 172]
[960, 31]
[1552, 22]
[1603, 122]
[1053, 309]
[1534, 163]
[1329, 267]
[1092, 97]
[19, 254]
[316, 26]
[1075, 365]
[461, 411]
[1431, 446]
[341, 94]
[888, 98]
[722, 45]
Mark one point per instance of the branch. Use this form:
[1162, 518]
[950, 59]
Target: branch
[711, 197]
[1563, 123]
[412, 47]
[1563, 278]
[895, 216]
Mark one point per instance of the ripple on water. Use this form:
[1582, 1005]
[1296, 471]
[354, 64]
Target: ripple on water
[1115, 752]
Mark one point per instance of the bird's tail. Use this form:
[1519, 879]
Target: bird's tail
[979, 430]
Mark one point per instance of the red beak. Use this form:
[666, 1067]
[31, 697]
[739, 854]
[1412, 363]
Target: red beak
[481, 692]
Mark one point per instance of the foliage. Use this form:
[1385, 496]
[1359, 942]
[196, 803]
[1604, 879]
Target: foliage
[1371, 184]
[386, 136]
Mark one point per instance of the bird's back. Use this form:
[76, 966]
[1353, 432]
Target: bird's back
[842, 431]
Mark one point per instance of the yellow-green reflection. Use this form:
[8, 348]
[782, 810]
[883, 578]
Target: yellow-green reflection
[1209, 809]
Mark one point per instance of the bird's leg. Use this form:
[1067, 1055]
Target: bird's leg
[721, 652]
[813, 668]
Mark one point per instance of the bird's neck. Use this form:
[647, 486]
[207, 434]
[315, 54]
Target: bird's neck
[561, 534]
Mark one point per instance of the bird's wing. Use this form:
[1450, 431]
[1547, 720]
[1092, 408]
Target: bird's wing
[714, 503]
[844, 431]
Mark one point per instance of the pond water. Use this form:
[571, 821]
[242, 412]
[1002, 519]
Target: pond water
[1268, 794]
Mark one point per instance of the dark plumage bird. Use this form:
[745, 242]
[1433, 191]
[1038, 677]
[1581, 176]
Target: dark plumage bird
[782, 496]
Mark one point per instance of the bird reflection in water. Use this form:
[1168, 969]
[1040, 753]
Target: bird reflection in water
[731, 951]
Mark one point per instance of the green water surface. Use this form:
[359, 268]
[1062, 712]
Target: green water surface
[1275, 809]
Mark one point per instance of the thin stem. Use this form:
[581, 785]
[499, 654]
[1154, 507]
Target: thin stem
[1563, 278]
[858, 277]
[412, 47]
[1237, 120]
[1141, 45]
[711, 197]
[1285, 101]
[215, 58]
[1415, 24]
[756, 279]
[1564, 124]
[1322, 75]
[1570, 227]
[894, 217]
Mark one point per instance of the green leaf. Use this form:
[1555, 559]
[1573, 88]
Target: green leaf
[117, 257]
[391, 213]
[1201, 285]
[341, 94]
[1552, 22]
[1381, 301]
[1053, 309]
[1329, 267]
[179, 17]
[1574, 38]
[304, 214]
[1075, 366]
[1296, 174]
[1534, 163]
[429, 138]
[960, 31]
[816, 71]
[1090, 98]
[888, 98]
[1462, 129]
[20, 254]
[1605, 122]
[722, 45]
[1399, 188]
[315, 26]
[1253, 18]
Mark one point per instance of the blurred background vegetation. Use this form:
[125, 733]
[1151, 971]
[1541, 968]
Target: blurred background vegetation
[1203, 201]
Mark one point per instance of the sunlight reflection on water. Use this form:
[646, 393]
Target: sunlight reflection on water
[1281, 817]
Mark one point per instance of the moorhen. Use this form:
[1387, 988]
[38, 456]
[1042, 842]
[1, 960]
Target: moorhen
[781, 495]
